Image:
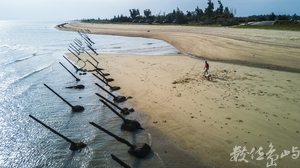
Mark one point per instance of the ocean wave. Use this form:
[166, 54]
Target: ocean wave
[12, 47]
[25, 58]
[38, 70]
[33, 72]
[13, 84]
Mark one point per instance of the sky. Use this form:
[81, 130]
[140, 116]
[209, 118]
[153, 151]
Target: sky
[65, 10]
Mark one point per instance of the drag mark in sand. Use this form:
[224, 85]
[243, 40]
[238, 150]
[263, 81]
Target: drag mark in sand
[244, 91]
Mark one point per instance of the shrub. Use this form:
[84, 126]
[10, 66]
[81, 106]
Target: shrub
[229, 23]
[287, 23]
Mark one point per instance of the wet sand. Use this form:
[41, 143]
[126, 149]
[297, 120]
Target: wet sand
[241, 106]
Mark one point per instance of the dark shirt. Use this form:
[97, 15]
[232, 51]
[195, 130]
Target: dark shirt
[206, 65]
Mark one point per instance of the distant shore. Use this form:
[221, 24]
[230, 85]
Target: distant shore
[241, 106]
[270, 49]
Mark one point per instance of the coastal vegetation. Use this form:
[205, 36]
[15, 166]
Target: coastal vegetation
[204, 16]
[221, 16]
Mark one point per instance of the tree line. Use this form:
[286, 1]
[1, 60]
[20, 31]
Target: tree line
[207, 15]
[273, 17]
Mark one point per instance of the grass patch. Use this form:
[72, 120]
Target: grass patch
[278, 25]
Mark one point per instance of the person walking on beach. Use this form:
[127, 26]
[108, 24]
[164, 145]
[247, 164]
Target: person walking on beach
[206, 68]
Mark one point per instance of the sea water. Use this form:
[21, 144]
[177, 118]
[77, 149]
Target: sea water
[30, 53]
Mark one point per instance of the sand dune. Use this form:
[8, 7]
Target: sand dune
[241, 106]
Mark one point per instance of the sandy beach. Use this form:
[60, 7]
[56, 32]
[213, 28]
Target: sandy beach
[271, 49]
[254, 108]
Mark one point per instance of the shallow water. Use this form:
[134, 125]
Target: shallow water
[30, 53]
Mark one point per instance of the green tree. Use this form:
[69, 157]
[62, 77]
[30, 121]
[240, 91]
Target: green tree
[134, 13]
[120, 19]
[199, 11]
[170, 17]
[199, 14]
[272, 17]
[180, 18]
[188, 14]
[147, 13]
[226, 10]
[227, 13]
[262, 18]
[283, 17]
[294, 17]
[220, 10]
[210, 9]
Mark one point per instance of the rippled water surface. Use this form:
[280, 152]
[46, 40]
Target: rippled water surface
[30, 53]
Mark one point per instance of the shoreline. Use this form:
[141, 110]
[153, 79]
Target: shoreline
[242, 106]
[261, 48]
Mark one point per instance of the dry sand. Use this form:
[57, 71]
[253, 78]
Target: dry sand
[244, 106]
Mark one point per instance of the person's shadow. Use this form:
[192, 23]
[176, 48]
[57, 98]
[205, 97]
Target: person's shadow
[219, 78]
